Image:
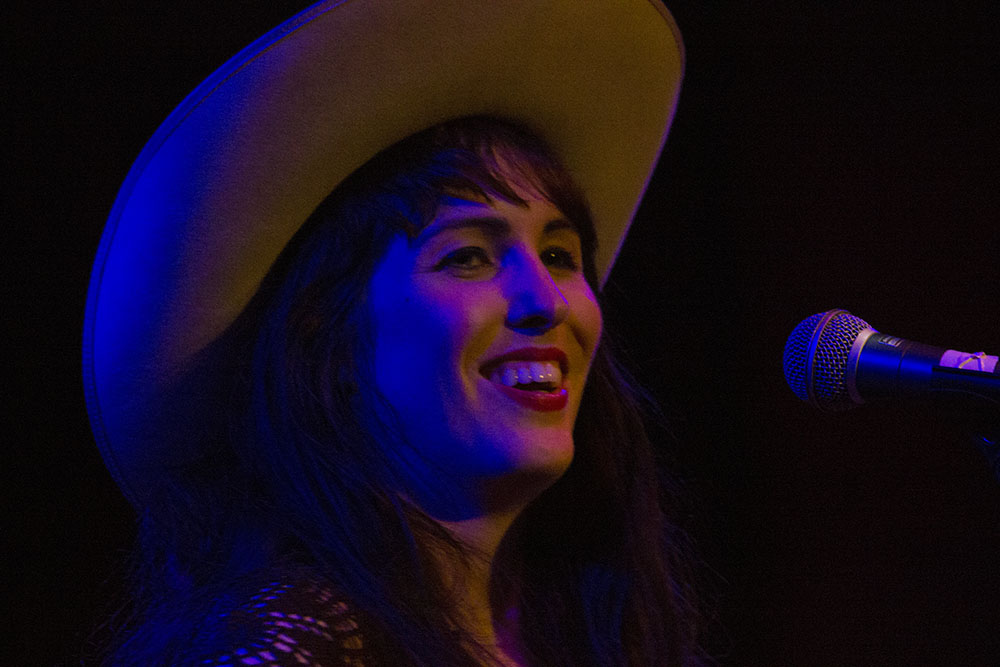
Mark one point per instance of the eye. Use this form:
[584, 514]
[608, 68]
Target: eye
[560, 258]
[467, 258]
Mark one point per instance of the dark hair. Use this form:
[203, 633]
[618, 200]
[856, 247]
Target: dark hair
[266, 494]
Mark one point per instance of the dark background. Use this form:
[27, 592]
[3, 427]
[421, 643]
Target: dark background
[820, 158]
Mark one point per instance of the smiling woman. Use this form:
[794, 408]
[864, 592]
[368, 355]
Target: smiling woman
[490, 290]
[412, 444]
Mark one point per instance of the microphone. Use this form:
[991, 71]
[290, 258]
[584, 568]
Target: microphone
[836, 361]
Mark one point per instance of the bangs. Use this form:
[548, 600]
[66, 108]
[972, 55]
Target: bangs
[475, 157]
[483, 157]
[492, 171]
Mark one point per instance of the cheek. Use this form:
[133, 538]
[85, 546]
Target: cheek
[427, 338]
[407, 344]
[588, 318]
[456, 325]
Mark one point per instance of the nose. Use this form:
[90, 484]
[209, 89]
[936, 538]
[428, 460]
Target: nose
[536, 304]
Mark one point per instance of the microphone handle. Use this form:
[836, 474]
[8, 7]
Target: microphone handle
[886, 366]
[881, 366]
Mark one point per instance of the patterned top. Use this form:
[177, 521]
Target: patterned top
[290, 625]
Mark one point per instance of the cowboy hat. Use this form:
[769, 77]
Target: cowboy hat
[232, 173]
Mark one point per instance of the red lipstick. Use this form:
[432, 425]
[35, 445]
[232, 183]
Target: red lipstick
[542, 401]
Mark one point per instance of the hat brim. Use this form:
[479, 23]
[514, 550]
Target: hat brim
[234, 171]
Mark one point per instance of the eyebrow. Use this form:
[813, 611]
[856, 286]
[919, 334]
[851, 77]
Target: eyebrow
[492, 226]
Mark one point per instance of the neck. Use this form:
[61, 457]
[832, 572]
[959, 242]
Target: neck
[469, 584]
[480, 519]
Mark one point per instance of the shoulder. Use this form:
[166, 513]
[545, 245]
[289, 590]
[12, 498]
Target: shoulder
[290, 620]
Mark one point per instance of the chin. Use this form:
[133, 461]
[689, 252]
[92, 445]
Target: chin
[546, 458]
[522, 484]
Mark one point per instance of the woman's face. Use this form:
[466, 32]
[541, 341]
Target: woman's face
[484, 331]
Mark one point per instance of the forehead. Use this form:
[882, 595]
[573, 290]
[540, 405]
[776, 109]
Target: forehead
[497, 217]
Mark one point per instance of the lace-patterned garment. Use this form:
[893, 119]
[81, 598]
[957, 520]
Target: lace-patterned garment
[290, 625]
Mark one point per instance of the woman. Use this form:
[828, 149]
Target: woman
[386, 455]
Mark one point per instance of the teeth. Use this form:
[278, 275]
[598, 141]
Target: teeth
[511, 373]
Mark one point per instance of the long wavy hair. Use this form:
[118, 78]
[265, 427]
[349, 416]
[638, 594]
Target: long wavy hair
[294, 475]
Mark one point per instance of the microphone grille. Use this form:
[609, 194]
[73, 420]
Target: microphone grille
[815, 358]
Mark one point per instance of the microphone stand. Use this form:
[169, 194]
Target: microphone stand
[980, 419]
[975, 416]
[987, 438]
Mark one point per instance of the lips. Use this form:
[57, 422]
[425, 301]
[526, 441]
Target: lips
[531, 359]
